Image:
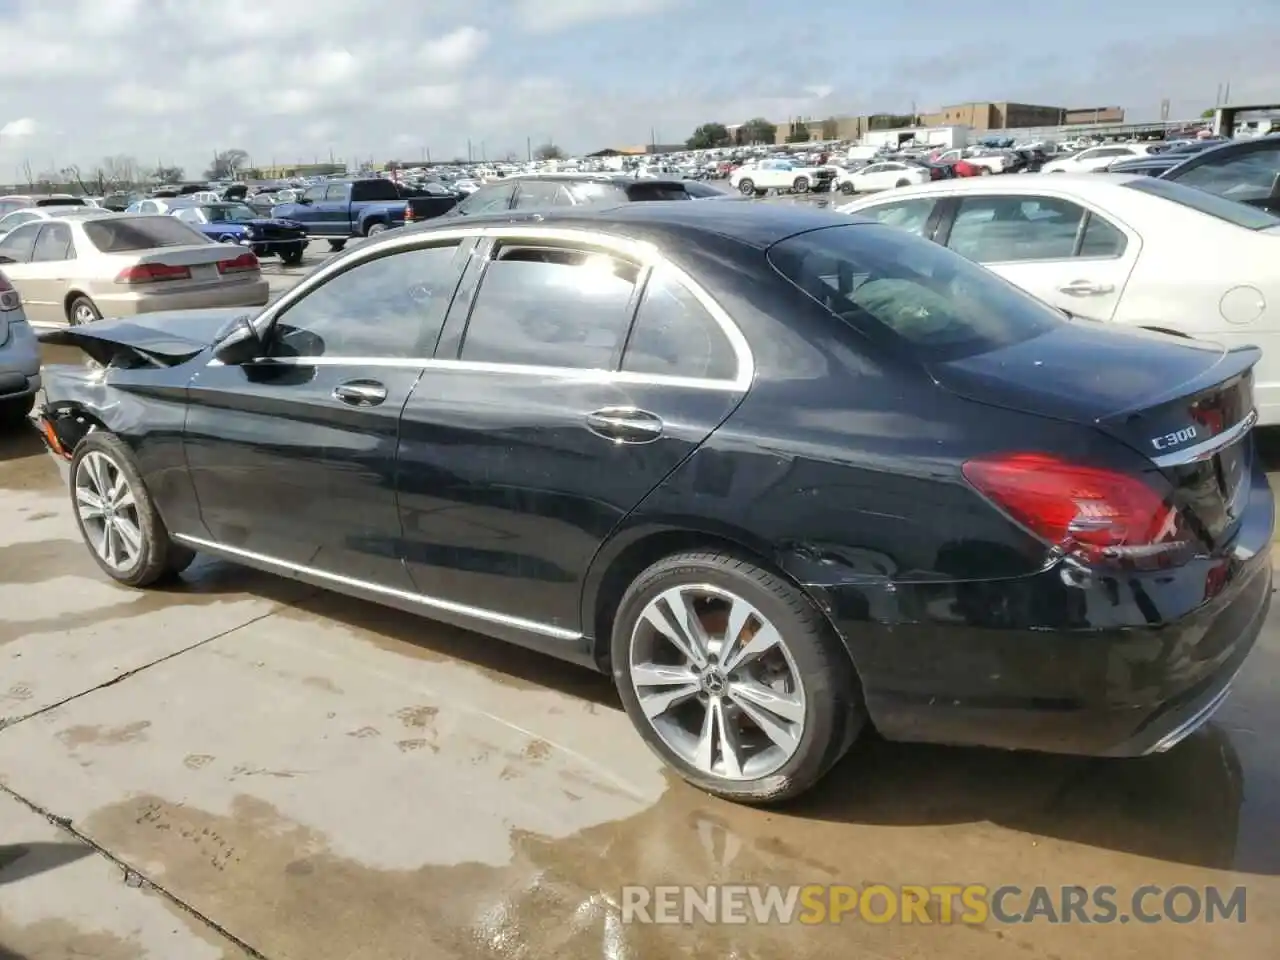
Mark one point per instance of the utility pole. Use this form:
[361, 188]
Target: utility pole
[468, 149]
[1226, 94]
[528, 148]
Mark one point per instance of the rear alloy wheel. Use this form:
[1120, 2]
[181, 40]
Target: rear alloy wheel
[116, 516]
[82, 311]
[376, 228]
[747, 188]
[800, 185]
[733, 677]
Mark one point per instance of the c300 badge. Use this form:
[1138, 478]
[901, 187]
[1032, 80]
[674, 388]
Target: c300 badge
[1174, 439]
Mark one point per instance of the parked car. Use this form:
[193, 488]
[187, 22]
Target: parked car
[549, 190]
[783, 475]
[1121, 248]
[882, 176]
[781, 175]
[89, 263]
[15, 202]
[29, 214]
[342, 209]
[19, 358]
[1247, 171]
[240, 224]
[1096, 158]
[1154, 164]
[152, 205]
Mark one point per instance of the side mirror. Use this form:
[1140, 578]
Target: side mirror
[239, 342]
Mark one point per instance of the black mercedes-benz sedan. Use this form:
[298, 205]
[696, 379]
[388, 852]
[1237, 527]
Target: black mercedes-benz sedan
[784, 475]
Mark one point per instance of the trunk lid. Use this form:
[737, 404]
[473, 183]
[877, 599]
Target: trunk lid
[1184, 404]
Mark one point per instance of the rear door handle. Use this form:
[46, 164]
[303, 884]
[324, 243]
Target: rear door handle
[625, 425]
[360, 393]
[1083, 288]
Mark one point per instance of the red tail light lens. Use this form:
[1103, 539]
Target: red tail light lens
[10, 299]
[1094, 513]
[244, 263]
[153, 273]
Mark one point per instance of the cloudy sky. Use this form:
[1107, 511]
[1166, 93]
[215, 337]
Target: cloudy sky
[288, 80]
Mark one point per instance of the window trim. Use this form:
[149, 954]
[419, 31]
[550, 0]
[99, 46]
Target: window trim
[642, 252]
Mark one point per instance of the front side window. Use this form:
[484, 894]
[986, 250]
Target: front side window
[910, 292]
[541, 193]
[190, 215]
[586, 191]
[390, 307]
[674, 335]
[314, 194]
[551, 307]
[909, 215]
[1006, 229]
[336, 193]
[17, 246]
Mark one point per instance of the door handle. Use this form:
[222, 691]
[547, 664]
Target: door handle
[1083, 288]
[360, 393]
[625, 425]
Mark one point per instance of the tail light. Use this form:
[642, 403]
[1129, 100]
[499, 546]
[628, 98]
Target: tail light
[408, 215]
[245, 263]
[1093, 513]
[10, 299]
[153, 273]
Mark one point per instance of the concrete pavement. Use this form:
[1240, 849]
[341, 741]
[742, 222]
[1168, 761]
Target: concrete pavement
[242, 766]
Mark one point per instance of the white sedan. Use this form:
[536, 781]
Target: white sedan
[1114, 247]
[1095, 158]
[881, 176]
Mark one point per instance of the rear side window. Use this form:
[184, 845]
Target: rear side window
[552, 307]
[909, 215]
[16, 247]
[1006, 229]
[488, 199]
[1242, 215]
[584, 192]
[908, 291]
[374, 190]
[675, 336]
[141, 233]
[53, 244]
[542, 193]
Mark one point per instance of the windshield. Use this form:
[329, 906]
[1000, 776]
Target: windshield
[901, 288]
[141, 233]
[230, 211]
[1251, 218]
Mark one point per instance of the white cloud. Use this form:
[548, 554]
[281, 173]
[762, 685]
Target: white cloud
[16, 129]
[174, 80]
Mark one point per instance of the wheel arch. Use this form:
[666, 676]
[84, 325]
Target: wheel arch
[631, 551]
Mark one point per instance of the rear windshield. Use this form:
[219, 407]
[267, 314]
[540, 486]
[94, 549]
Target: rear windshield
[1251, 218]
[141, 233]
[898, 287]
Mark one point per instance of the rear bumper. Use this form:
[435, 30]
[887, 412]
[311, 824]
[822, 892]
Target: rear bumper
[249, 293]
[1122, 666]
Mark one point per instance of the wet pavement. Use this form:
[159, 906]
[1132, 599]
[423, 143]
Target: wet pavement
[244, 766]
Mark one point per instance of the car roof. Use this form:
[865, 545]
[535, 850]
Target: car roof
[73, 213]
[1081, 183]
[755, 224]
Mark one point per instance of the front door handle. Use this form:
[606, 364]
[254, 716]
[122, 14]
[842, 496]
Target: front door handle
[360, 393]
[625, 425]
[1084, 288]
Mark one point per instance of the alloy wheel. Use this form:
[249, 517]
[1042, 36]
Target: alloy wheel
[108, 511]
[716, 682]
[83, 313]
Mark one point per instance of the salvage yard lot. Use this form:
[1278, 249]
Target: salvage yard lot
[245, 766]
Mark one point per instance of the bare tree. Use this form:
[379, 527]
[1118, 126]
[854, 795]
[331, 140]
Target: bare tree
[121, 170]
[26, 172]
[71, 175]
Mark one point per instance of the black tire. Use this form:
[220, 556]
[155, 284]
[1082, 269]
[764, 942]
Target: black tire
[337, 245]
[903, 183]
[159, 558]
[984, 171]
[13, 413]
[834, 712]
[82, 310]
[800, 185]
[847, 189]
[292, 256]
[747, 188]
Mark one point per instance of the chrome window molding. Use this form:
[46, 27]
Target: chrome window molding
[646, 254]
[461, 609]
[1207, 448]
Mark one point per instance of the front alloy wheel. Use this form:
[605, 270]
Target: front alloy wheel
[108, 511]
[734, 677]
[116, 516]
